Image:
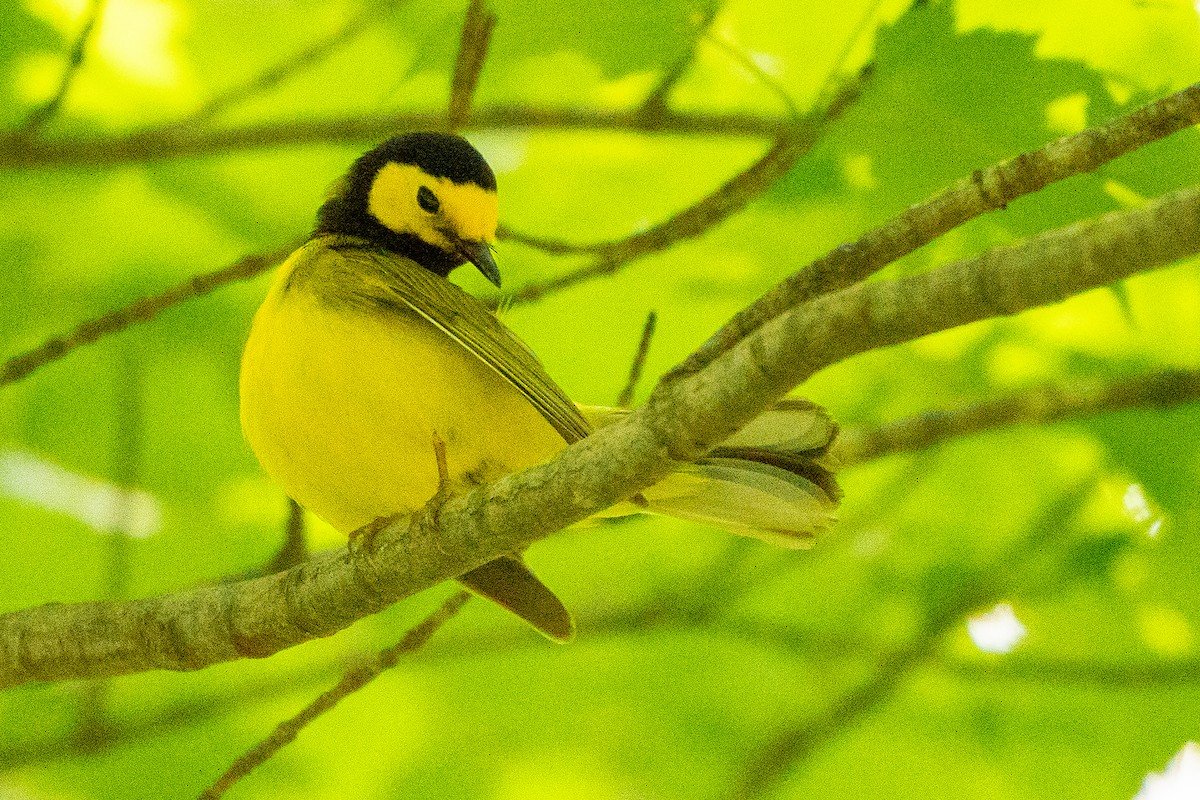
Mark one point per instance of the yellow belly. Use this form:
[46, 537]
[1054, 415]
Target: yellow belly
[341, 408]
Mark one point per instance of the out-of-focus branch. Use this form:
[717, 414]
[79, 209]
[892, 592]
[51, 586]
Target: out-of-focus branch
[144, 310]
[287, 68]
[94, 713]
[351, 682]
[1161, 389]
[693, 221]
[655, 105]
[779, 756]
[171, 141]
[472, 51]
[45, 112]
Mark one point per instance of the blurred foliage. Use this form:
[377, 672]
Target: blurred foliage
[695, 649]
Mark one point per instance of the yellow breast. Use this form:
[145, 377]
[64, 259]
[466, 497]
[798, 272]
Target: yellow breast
[341, 407]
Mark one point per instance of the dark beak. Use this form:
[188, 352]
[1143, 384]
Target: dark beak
[479, 254]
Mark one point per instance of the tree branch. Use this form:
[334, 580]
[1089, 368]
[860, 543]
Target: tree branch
[144, 310]
[692, 221]
[44, 113]
[655, 104]
[295, 541]
[639, 361]
[170, 141]
[1052, 403]
[280, 72]
[195, 628]
[287, 731]
[985, 190]
[778, 757]
[695, 220]
[472, 50]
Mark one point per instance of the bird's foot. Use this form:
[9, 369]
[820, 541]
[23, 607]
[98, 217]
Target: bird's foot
[363, 539]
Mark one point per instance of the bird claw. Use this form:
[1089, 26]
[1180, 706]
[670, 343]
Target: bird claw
[363, 539]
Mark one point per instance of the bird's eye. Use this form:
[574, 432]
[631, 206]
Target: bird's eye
[428, 200]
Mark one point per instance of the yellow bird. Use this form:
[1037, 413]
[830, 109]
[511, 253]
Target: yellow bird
[363, 355]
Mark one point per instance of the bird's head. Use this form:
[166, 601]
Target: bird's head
[428, 196]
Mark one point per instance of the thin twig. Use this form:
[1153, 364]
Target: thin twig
[639, 361]
[743, 58]
[778, 757]
[95, 722]
[472, 51]
[353, 680]
[856, 35]
[287, 68]
[44, 113]
[654, 107]
[1052, 403]
[795, 141]
[141, 724]
[1121, 676]
[142, 310]
[986, 190]
[697, 219]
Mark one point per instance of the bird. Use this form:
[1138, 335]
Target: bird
[371, 384]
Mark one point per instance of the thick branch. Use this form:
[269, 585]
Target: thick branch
[193, 629]
[985, 190]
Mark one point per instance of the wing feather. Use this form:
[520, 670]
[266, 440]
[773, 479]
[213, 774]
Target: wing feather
[342, 269]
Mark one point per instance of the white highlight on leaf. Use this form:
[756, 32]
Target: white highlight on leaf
[1179, 781]
[767, 63]
[1136, 505]
[996, 631]
[134, 37]
[103, 506]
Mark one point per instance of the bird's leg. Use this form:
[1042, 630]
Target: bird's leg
[439, 453]
[443, 491]
[364, 537]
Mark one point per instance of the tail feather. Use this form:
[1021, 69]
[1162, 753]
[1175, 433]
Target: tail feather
[745, 497]
[772, 480]
[508, 582]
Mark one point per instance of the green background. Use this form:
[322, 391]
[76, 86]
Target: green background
[695, 649]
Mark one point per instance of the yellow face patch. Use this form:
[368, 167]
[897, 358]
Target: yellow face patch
[465, 211]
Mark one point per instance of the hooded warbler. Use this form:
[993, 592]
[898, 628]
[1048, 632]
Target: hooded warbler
[363, 355]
